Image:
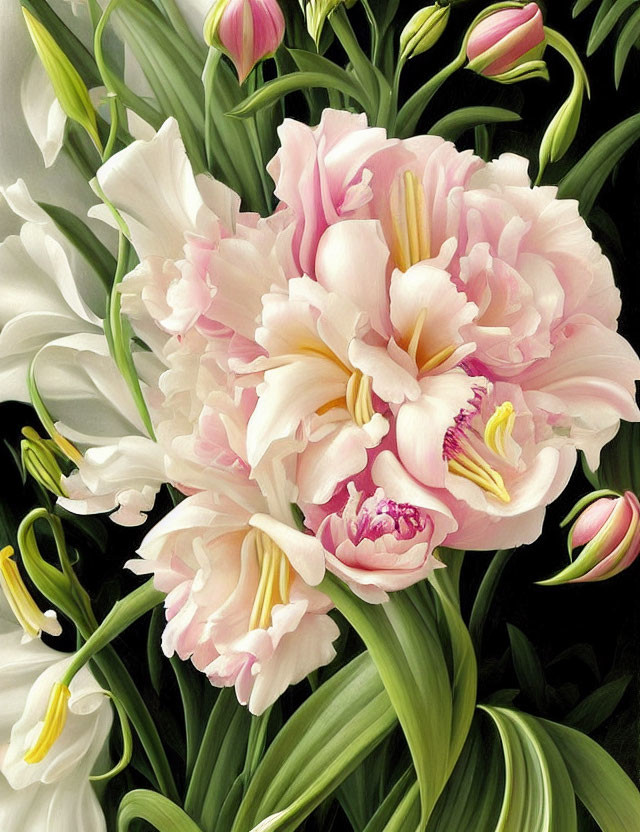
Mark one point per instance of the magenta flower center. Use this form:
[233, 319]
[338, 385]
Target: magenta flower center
[402, 520]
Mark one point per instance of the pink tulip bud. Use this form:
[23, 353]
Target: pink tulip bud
[608, 530]
[246, 30]
[506, 39]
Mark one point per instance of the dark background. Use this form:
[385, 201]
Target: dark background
[604, 618]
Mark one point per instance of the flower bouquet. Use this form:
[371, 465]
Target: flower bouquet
[302, 303]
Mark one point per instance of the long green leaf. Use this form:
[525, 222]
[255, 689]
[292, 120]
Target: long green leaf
[454, 124]
[600, 783]
[603, 27]
[273, 91]
[628, 37]
[319, 746]
[85, 241]
[157, 810]
[538, 793]
[527, 666]
[309, 62]
[580, 6]
[585, 179]
[598, 706]
[407, 648]
[473, 796]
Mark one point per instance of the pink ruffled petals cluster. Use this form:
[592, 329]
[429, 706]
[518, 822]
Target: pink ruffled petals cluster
[411, 350]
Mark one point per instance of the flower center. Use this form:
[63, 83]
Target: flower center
[359, 401]
[417, 351]
[402, 520]
[411, 243]
[276, 577]
[463, 459]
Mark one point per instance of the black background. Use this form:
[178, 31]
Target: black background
[604, 615]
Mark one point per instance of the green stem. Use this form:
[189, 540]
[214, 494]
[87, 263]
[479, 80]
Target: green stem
[221, 714]
[122, 615]
[375, 32]
[362, 66]
[412, 111]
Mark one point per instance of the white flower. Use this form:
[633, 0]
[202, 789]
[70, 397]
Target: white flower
[54, 795]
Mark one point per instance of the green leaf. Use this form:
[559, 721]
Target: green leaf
[85, 241]
[454, 124]
[598, 706]
[580, 6]
[538, 794]
[527, 666]
[600, 783]
[586, 178]
[318, 747]
[485, 595]
[274, 90]
[628, 37]
[403, 639]
[602, 27]
[157, 810]
[473, 796]
[403, 799]
[309, 62]
[174, 75]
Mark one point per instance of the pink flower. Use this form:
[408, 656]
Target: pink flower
[246, 30]
[377, 545]
[506, 38]
[608, 529]
[478, 441]
[239, 599]
[323, 174]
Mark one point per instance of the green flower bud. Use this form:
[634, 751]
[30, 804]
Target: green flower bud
[67, 84]
[423, 31]
[317, 11]
[39, 460]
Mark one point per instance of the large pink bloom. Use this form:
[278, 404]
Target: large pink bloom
[239, 599]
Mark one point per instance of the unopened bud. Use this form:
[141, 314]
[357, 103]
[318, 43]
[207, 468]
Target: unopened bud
[607, 531]
[317, 11]
[68, 86]
[423, 31]
[247, 31]
[507, 46]
[40, 461]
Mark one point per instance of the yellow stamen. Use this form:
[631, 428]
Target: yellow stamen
[411, 243]
[54, 722]
[414, 343]
[499, 428]
[359, 402]
[470, 465]
[275, 581]
[438, 359]
[25, 609]
[67, 448]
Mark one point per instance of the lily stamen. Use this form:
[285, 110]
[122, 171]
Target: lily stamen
[411, 243]
[359, 401]
[29, 616]
[275, 581]
[499, 428]
[54, 721]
